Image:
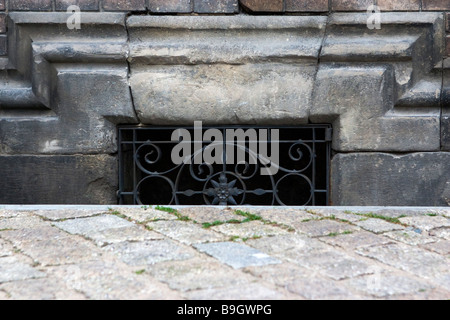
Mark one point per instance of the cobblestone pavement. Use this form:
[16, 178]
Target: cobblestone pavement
[73, 252]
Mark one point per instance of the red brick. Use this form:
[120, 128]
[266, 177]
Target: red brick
[435, 5]
[216, 6]
[399, 5]
[85, 5]
[124, 5]
[30, 5]
[351, 5]
[170, 6]
[263, 5]
[306, 5]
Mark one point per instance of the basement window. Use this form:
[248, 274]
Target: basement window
[265, 166]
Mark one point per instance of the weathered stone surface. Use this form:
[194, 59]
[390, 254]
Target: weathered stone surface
[210, 214]
[248, 230]
[149, 252]
[187, 233]
[369, 179]
[11, 269]
[324, 228]
[426, 223]
[236, 255]
[383, 284]
[58, 179]
[410, 237]
[251, 291]
[377, 226]
[107, 280]
[214, 6]
[87, 226]
[22, 221]
[263, 5]
[62, 214]
[168, 6]
[219, 81]
[420, 262]
[41, 289]
[356, 240]
[399, 5]
[84, 5]
[306, 5]
[351, 5]
[197, 274]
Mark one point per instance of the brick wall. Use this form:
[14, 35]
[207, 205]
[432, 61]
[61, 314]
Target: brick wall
[218, 7]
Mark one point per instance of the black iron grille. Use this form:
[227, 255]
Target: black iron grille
[241, 170]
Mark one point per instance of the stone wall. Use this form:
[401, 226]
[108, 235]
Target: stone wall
[385, 91]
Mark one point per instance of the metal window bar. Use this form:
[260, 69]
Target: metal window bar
[148, 176]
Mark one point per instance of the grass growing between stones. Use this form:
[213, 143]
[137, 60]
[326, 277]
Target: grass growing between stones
[174, 212]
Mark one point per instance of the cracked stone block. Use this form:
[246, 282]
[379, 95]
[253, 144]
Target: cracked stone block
[236, 255]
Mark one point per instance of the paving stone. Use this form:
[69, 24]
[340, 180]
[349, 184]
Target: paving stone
[107, 280]
[382, 284]
[3, 295]
[443, 233]
[22, 221]
[249, 229]
[426, 223]
[210, 215]
[149, 252]
[186, 232]
[423, 295]
[40, 233]
[116, 235]
[287, 245]
[8, 213]
[318, 288]
[338, 214]
[410, 237]
[236, 255]
[87, 226]
[41, 289]
[378, 226]
[286, 216]
[441, 247]
[11, 269]
[415, 260]
[324, 228]
[56, 215]
[197, 274]
[145, 215]
[6, 249]
[355, 240]
[61, 251]
[252, 291]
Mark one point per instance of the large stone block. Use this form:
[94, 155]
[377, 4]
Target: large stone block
[224, 70]
[81, 179]
[219, 94]
[379, 179]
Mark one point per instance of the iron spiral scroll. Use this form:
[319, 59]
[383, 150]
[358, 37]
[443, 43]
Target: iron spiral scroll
[224, 184]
